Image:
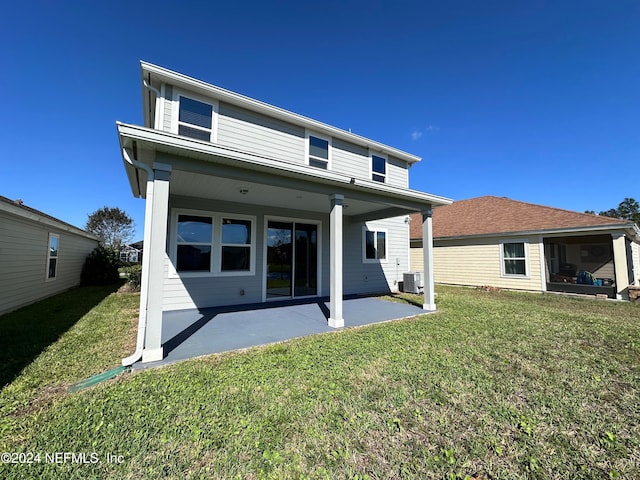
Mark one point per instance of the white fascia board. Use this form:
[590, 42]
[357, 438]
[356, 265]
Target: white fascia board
[158, 138]
[556, 232]
[178, 79]
[433, 200]
[45, 220]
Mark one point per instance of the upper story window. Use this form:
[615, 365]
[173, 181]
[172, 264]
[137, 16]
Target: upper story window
[514, 259]
[195, 119]
[52, 256]
[378, 168]
[318, 151]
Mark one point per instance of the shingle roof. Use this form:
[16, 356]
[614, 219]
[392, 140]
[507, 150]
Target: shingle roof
[492, 215]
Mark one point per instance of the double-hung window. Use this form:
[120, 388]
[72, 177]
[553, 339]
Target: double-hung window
[514, 258]
[195, 118]
[236, 245]
[52, 256]
[375, 245]
[378, 168]
[194, 243]
[213, 244]
[318, 151]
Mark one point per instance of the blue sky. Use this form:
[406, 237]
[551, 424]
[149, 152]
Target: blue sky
[535, 100]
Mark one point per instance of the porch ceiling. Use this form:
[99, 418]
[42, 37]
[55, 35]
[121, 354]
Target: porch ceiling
[220, 188]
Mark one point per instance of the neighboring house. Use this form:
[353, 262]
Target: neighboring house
[505, 243]
[130, 253]
[40, 255]
[249, 203]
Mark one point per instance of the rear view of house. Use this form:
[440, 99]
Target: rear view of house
[247, 203]
[40, 255]
[510, 244]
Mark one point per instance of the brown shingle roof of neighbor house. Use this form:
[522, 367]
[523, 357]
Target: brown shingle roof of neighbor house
[491, 215]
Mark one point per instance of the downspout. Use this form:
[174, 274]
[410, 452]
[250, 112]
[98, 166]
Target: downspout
[142, 317]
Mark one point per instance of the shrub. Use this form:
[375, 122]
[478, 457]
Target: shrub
[134, 276]
[100, 267]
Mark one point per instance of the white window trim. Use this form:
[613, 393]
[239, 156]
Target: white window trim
[364, 245]
[527, 268]
[215, 268]
[47, 278]
[307, 156]
[267, 219]
[177, 93]
[386, 166]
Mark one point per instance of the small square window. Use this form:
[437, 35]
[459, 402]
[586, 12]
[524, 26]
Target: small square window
[318, 152]
[375, 245]
[378, 168]
[195, 118]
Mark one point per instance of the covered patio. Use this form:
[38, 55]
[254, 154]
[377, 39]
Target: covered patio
[193, 333]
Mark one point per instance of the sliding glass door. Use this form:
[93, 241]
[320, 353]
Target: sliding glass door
[292, 259]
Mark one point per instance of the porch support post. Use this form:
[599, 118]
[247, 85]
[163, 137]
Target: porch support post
[156, 251]
[427, 249]
[620, 265]
[336, 319]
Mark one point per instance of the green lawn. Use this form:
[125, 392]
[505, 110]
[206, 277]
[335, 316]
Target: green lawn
[497, 385]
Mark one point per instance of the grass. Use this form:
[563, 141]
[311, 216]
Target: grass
[497, 385]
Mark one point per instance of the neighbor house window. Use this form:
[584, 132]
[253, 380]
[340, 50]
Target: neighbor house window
[375, 245]
[195, 119]
[235, 253]
[514, 259]
[209, 244]
[52, 256]
[378, 168]
[318, 152]
[194, 243]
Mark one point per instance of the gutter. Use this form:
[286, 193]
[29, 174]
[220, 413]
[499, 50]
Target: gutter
[142, 316]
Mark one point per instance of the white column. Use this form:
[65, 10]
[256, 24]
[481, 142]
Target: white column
[427, 250]
[620, 265]
[336, 319]
[156, 252]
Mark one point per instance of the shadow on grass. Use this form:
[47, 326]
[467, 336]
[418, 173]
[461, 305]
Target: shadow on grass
[27, 332]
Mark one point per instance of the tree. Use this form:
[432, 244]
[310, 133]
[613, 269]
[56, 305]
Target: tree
[628, 209]
[112, 226]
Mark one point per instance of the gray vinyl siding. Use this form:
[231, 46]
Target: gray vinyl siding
[23, 261]
[168, 108]
[397, 173]
[376, 277]
[252, 132]
[350, 159]
[183, 292]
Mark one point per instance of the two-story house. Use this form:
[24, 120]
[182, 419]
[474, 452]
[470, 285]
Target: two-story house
[249, 203]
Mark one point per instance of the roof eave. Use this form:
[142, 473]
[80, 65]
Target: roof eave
[550, 231]
[155, 138]
[228, 96]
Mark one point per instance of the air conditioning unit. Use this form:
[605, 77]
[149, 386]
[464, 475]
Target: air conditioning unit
[413, 282]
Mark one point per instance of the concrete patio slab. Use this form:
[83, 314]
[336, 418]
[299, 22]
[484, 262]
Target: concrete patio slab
[193, 333]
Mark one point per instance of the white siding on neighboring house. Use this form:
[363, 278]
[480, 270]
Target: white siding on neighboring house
[635, 253]
[478, 262]
[24, 248]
